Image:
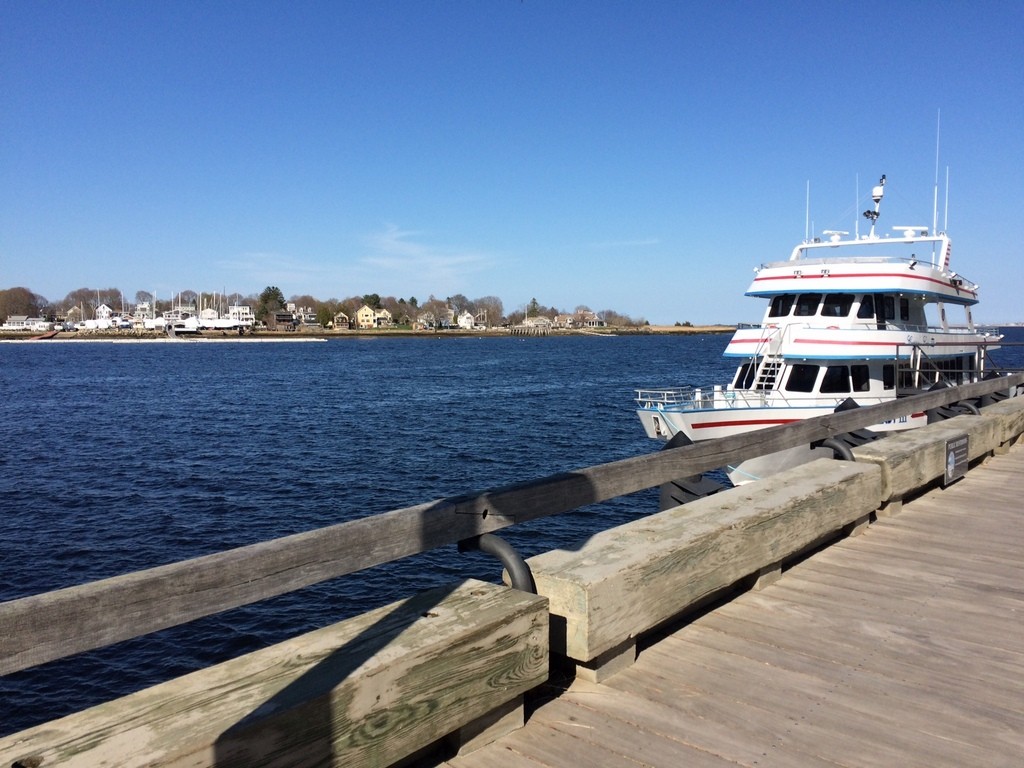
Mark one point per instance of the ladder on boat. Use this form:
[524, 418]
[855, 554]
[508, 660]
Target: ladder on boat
[767, 376]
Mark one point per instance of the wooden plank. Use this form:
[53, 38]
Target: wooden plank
[823, 702]
[833, 697]
[729, 732]
[839, 647]
[367, 691]
[633, 740]
[550, 747]
[752, 735]
[976, 620]
[975, 591]
[948, 559]
[834, 640]
[945, 533]
[895, 579]
[41, 628]
[926, 623]
[502, 755]
[985, 722]
[789, 714]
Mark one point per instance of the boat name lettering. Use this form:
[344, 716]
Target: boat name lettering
[900, 420]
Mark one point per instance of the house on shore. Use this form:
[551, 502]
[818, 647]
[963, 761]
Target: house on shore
[280, 320]
[581, 319]
[26, 323]
[367, 317]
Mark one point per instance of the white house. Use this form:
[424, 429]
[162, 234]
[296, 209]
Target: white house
[466, 320]
[16, 323]
[242, 314]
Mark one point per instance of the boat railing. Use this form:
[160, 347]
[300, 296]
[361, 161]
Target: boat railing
[828, 324]
[652, 398]
[938, 330]
[695, 398]
[718, 396]
[850, 259]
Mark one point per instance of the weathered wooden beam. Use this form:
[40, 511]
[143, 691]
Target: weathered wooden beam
[626, 581]
[365, 692]
[41, 628]
[913, 459]
[1010, 414]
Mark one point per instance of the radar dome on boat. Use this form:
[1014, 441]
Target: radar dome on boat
[878, 192]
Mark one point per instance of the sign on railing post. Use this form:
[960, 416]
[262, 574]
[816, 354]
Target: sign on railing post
[956, 459]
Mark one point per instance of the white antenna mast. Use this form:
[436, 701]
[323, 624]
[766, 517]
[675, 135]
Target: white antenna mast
[945, 215]
[935, 195]
[856, 205]
[807, 214]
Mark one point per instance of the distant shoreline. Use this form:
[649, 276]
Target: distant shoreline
[323, 335]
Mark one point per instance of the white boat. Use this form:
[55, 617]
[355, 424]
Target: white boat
[848, 318]
[238, 318]
[181, 321]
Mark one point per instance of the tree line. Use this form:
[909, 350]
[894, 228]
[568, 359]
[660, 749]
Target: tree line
[22, 301]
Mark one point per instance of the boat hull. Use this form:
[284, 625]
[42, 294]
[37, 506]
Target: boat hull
[716, 423]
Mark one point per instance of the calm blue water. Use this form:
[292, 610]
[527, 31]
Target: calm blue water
[119, 457]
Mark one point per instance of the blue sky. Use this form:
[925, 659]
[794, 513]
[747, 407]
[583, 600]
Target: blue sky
[637, 156]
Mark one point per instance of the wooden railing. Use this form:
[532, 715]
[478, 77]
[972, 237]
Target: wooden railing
[449, 669]
[41, 628]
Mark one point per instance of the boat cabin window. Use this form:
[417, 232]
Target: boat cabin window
[888, 307]
[807, 304]
[802, 377]
[837, 305]
[907, 379]
[781, 305]
[951, 369]
[866, 310]
[969, 367]
[836, 379]
[861, 378]
[888, 376]
[745, 374]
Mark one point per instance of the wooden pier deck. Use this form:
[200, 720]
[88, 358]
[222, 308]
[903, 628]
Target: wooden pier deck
[903, 646]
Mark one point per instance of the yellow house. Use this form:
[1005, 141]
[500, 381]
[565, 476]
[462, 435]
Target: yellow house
[365, 317]
[368, 317]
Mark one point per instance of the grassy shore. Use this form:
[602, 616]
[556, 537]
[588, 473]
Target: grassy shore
[381, 332]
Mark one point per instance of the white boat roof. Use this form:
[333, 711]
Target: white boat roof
[913, 262]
